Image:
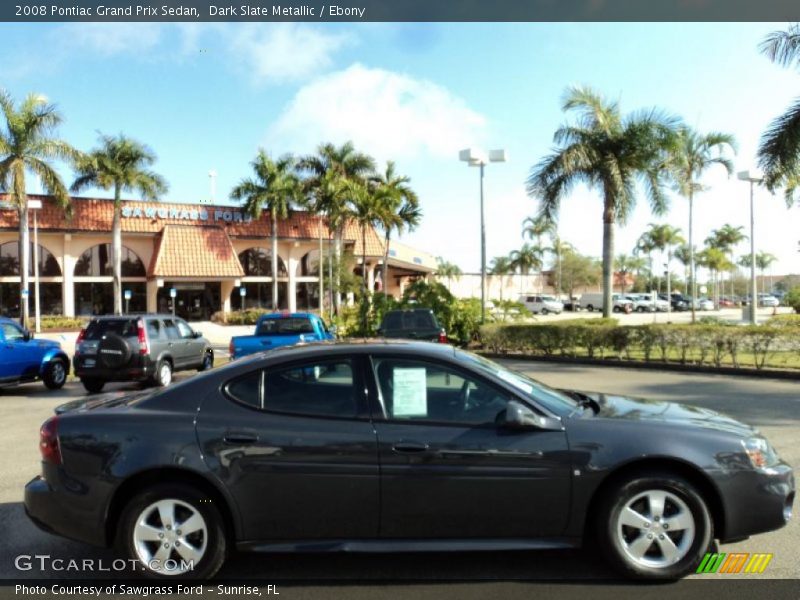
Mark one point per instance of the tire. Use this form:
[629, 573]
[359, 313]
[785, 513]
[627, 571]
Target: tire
[590, 308]
[616, 309]
[93, 386]
[208, 362]
[640, 309]
[545, 312]
[623, 539]
[163, 375]
[55, 374]
[205, 547]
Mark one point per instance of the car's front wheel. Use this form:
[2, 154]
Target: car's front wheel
[208, 362]
[55, 374]
[173, 532]
[655, 526]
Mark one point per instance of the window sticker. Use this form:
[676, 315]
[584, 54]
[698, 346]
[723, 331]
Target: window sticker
[517, 382]
[410, 393]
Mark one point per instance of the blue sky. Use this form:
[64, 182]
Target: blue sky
[207, 96]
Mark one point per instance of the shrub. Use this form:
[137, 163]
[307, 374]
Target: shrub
[51, 322]
[792, 298]
[239, 317]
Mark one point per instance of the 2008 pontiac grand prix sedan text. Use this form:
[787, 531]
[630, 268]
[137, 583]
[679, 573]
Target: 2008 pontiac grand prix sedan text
[399, 446]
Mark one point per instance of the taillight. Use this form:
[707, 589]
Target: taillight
[48, 442]
[78, 341]
[143, 346]
[442, 337]
[230, 349]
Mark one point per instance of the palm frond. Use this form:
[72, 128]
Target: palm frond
[783, 47]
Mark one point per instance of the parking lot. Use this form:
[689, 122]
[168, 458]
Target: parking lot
[772, 405]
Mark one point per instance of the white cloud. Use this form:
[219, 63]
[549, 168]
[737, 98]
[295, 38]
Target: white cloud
[283, 52]
[387, 114]
[113, 38]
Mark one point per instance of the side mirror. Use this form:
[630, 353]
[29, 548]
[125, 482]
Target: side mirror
[520, 417]
[27, 336]
[197, 334]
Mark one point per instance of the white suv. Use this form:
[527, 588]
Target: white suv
[542, 304]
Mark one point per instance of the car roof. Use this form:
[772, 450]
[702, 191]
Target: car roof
[358, 346]
[134, 316]
[287, 315]
[409, 310]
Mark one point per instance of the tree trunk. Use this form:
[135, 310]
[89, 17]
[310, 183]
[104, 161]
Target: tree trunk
[274, 261]
[116, 250]
[385, 269]
[364, 260]
[608, 256]
[25, 261]
[337, 250]
[319, 273]
[669, 282]
[692, 271]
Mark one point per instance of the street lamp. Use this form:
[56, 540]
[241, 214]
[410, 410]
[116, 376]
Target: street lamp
[753, 176]
[35, 205]
[476, 158]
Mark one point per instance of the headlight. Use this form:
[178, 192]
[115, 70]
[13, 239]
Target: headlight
[760, 453]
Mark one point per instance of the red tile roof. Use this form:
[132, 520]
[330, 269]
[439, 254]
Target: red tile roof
[186, 251]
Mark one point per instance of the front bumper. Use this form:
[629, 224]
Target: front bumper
[757, 501]
[51, 510]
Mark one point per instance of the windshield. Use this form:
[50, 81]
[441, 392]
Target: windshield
[284, 326]
[555, 401]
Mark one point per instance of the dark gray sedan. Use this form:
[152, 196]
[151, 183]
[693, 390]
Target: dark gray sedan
[399, 446]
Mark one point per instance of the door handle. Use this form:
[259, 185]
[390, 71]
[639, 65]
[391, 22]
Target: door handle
[240, 438]
[410, 447]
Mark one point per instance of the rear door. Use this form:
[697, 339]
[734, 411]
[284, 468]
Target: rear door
[294, 445]
[174, 344]
[191, 347]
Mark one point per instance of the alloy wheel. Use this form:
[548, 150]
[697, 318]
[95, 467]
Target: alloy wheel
[170, 537]
[655, 529]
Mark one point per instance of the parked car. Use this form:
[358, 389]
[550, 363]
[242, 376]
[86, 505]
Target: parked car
[703, 304]
[592, 301]
[393, 446]
[412, 324]
[274, 330]
[727, 302]
[768, 300]
[542, 304]
[147, 348]
[677, 302]
[646, 303]
[24, 359]
[573, 305]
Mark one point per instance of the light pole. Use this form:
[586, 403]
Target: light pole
[35, 205]
[753, 176]
[476, 158]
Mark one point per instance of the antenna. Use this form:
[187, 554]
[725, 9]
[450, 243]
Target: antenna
[212, 176]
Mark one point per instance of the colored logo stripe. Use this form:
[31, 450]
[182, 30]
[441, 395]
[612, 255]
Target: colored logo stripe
[734, 563]
[757, 563]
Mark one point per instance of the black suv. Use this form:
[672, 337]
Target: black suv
[146, 348]
[412, 324]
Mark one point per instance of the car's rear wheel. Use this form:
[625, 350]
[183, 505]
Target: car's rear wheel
[590, 307]
[163, 374]
[173, 532]
[655, 526]
[55, 374]
[93, 386]
[208, 361]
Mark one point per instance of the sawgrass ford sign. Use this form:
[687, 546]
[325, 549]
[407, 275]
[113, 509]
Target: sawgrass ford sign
[186, 214]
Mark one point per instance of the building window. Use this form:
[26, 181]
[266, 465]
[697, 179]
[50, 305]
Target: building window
[307, 295]
[96, 262]
[97, 298]
[259, 295]
[257, 262]
[49, 299]
[10, 261]
[309, 265]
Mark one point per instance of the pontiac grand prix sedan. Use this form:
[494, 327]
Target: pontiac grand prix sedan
[399, 446]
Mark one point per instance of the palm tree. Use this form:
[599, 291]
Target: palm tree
[327, 170]
[274, 188]
[726, 238]
[526, 259]
[625, 265]
[693, 154]
[27, 146]
[764, 261]
[558, 247]
[447, 270]
[608, 152]
[779, 149]
[646, 245]
[368, 208]
[684, 256]
[716, 261]
[501, 266]
[402, 210]
[536, 227]
[664, 238]
[122, 164]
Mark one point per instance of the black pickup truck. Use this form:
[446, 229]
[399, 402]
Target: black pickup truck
[412, 324]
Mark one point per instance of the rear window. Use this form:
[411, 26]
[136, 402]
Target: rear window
[410, 320]
[284, 326]
[121, 327]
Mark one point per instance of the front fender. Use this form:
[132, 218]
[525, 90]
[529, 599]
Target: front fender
[51, 354]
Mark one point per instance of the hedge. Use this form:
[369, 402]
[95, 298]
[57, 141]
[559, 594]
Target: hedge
[239, 317]
[57, 322]
[686, 344]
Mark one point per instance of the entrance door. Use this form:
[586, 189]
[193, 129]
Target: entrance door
[194, 301]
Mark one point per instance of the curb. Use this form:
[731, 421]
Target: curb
[653, 366]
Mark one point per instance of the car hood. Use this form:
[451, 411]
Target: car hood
[42, 343]
[638, 409]
[108, 400]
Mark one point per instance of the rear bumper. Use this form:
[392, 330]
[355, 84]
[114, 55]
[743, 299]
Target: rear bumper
[129, 373]
[757, 501]
[52, 510]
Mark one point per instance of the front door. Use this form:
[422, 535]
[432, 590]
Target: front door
[295, 447]
[448, 470]
[18, 356]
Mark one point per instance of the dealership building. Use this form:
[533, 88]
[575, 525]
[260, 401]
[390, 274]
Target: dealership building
[202, 257]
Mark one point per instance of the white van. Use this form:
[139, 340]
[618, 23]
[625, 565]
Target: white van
[542, 303]
[594, 301]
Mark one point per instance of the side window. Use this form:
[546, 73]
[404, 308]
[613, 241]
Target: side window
[247, 388]
[171, 329]
[421, 391]
[184, 329]
[154, 329]
[321, 388]
[11, 332]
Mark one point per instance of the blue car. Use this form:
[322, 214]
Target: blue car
[23, 359]
[274, 330]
